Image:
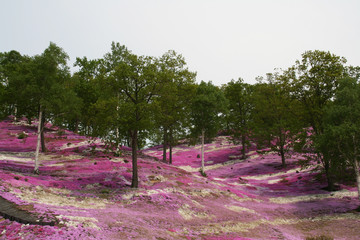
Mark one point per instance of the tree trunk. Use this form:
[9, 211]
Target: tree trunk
[356, 166]
[164, 144]
[329, 178]
[170, 153]
[134, 181]
[357, 174]
[282, 154]
[28, 120]
[170, 146]
[76, 130]
[36, 169]
[43, 148]
[15, 113]
[202, 151]
[282, 151]
[243, 141]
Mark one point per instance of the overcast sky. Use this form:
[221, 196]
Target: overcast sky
[220, 39]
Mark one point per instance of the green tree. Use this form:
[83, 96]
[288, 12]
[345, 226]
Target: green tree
[315, 79]
[206, 109]
[239, 96]
[276, 114]
[87, 84]
[177, 87]
[136, 80]
[341, 138]
[44, 87]
[14, 70]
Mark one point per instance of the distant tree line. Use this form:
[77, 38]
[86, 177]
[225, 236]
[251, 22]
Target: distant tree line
[313, 107]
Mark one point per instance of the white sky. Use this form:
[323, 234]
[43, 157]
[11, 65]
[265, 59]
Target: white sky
[220, 39]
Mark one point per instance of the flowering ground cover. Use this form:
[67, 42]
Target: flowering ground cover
[85, 191]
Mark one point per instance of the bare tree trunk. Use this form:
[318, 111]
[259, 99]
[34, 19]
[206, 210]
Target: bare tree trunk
[170, 146]
[356, 168]
[282, 154]
[202, 151]
[134, 181]
[243, 141]
[76, 130]
[164, 144]
[36, 170]
[170, 154]
[329, 178]
[28, 120]
[15, 113]
[43, 148]
[282, 151]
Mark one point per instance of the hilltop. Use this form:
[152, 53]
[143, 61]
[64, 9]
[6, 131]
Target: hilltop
[83, 192]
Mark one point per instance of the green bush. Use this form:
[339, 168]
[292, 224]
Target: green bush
[60, 132]
[22, 135]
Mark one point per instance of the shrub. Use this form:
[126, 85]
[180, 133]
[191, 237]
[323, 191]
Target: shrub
[105, 191]
[203, 173]
[60, 132]
[22, 135]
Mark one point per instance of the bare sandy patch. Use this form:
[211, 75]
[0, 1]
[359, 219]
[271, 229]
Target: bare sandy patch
[313, 197]
[59, 198]
[189, 214]
[118, 159]
[80, 144]
[75, 221]
[240, 209]
[211, 167]
[271, 175]
[16, 157]
[231, 226]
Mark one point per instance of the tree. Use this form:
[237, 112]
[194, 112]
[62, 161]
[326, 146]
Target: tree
[239, 96]
[341, 138]
[315, 79]
[14, 70]
[136, 80]
[207, 106]
[47, 91]
[275, 115]
[87, 84]
[36, 86]
[177, 87]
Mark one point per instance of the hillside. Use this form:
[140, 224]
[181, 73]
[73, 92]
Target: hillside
[84, 192]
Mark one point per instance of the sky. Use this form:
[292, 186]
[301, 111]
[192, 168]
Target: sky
[221, 40]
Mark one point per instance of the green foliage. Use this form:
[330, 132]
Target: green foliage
[239, 116]
[314, 81]
[207, 109]
[135, 82]
[22, 135]
[89, 85]
[135, 78]
[172, 103]
[203, 173]
[105, 191]
[275, 114]
[14, 73]
[60, 132]
[340, 141]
